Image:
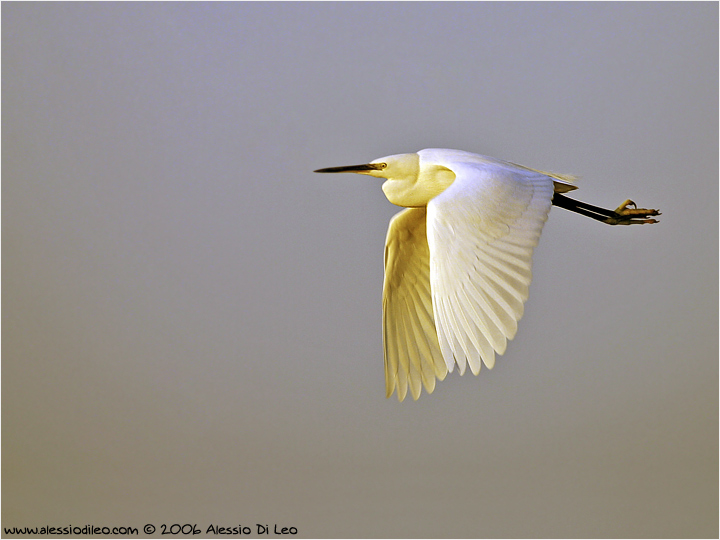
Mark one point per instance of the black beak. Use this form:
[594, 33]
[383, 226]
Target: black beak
[354, 168]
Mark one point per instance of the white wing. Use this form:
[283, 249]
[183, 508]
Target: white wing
[412, 352]
[481, 233]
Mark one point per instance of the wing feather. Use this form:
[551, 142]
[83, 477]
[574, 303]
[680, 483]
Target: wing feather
[421, 349]
[481, 234]
[492, 326]
[454, 333]
[414, 365]
[428, 337]
[413, 358]
[469, 320]
[487, 352]
[391, 359]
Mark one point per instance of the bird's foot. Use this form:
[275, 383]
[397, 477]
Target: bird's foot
[628, 214]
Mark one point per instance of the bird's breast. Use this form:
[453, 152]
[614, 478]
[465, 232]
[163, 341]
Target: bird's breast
[418, 193]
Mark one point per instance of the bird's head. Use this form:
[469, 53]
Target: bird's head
[410, 182]
[399, 166]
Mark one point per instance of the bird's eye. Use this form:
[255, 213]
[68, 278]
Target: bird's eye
[382, 166]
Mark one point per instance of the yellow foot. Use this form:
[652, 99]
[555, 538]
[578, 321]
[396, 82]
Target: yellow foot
[625, 215]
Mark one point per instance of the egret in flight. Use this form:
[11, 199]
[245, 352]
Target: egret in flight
[458, 258]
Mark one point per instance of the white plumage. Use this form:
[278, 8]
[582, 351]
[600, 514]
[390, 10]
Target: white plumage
[458, 260]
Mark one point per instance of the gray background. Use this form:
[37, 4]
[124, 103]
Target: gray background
[191, 317]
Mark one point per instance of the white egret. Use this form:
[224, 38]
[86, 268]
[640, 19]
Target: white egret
[458, 258]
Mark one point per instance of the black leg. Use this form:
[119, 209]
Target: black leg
[622, 215]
